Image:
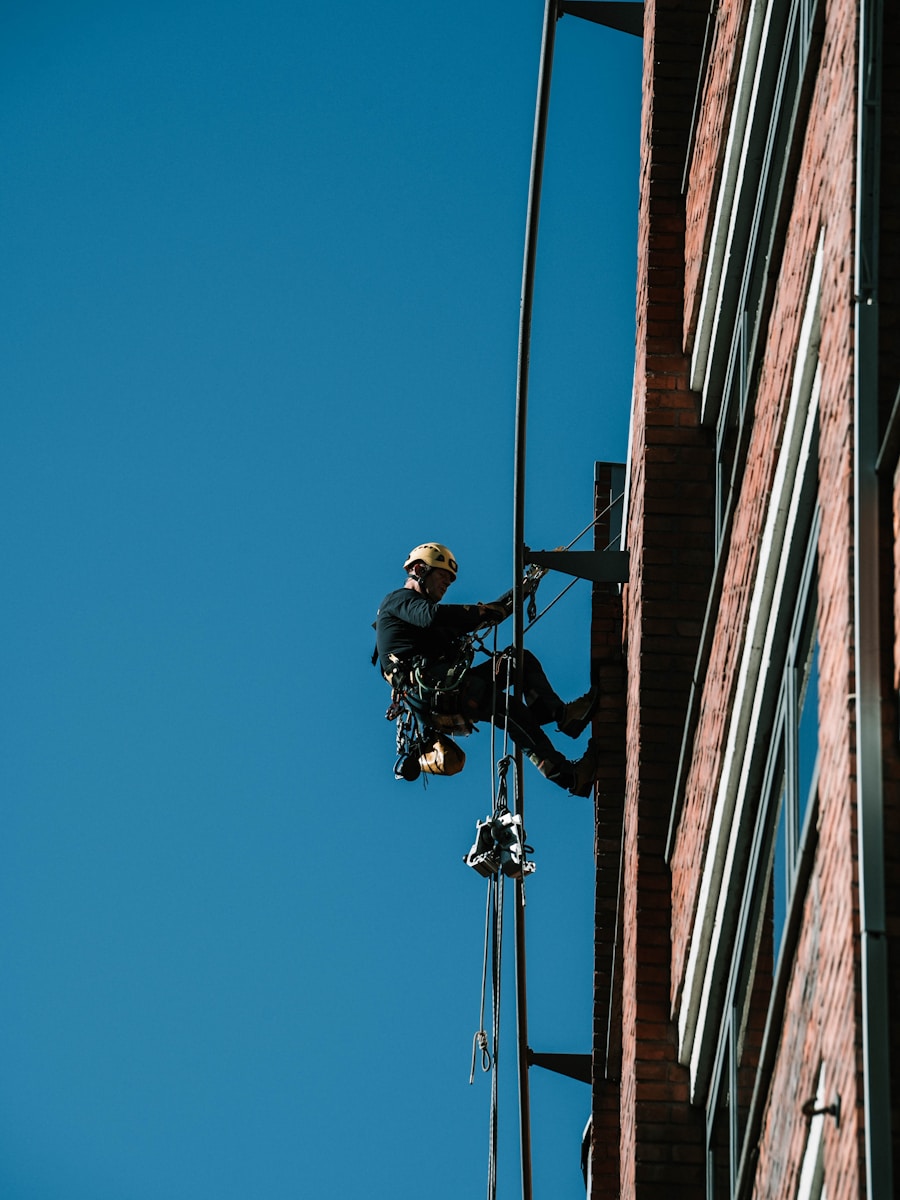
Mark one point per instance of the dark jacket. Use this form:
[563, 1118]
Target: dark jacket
[409, 625]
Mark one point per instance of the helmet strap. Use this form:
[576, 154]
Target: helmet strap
[420, 572]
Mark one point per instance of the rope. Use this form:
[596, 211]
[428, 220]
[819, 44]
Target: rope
[497, 658]
[480, 1038]
[493, 947]
[599, 517]
[533, 620]
[497, 965]
[490, 1052]
[493, 654]
[501, 770]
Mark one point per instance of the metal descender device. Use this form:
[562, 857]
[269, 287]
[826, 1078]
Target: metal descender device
[500, 846]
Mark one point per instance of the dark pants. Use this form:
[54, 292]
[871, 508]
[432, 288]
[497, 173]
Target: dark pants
[484, 698]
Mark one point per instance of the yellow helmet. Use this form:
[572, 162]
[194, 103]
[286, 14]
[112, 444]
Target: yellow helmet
[432, 554]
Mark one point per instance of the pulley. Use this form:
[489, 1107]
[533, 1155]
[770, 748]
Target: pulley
[499, 846]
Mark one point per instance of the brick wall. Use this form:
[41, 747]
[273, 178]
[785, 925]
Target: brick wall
[822, 1020]
[670, 541]
[822, 1016]
[659, 1151]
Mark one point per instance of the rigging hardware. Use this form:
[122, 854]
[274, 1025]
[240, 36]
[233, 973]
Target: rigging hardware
[500, 846]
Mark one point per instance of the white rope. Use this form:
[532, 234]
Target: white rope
[493, 941]
[480, 1038]
[497, 963]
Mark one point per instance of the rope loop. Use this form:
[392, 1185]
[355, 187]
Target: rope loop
[480, 1042]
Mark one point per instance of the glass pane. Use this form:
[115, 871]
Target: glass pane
[727, 445]
[756, 1008]
[807, 730]
[779, 877]
[719, 1178]
[754, 993]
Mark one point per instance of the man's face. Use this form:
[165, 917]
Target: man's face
[437, 582]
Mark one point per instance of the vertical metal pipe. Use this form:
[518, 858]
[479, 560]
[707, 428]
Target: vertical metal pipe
[551, 15]
[526, 306]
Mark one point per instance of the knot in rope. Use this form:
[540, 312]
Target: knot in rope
[480, 1042]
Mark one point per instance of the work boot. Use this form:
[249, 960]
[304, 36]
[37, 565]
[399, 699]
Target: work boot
[555, 768]
[573, 718]
[585, 771]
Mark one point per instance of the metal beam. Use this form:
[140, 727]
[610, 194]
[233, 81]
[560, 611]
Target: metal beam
[614, 14]
[575, 1066]
[600, 566]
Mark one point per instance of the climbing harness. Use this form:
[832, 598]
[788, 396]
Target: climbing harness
[425, 699]
[425, 706]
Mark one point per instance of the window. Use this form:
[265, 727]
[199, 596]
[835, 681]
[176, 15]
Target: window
[762, 194]
[786, 794]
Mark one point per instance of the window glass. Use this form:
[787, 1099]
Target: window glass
[779, 876]
[719, 1160]
[807, 731]
[755, 991]
[786, 791]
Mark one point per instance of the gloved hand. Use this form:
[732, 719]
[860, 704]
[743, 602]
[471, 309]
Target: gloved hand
[492, 614]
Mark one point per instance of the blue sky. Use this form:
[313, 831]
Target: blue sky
[261, 289]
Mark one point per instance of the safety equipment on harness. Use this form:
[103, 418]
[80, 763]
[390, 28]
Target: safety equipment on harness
[433, 555]
[410, 740]
[483, 857]
[532, 577]
[408, 767]
[437, 683]
[443, 758]
[510, 838]
[428, 750]
[426, 698]
[423, 738]
[425, 703]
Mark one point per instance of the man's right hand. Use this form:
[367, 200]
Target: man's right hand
[492, 614]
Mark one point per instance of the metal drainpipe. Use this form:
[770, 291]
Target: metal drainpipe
[869, 781]
[551, 14]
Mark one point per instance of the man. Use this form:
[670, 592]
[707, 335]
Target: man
[414, 628]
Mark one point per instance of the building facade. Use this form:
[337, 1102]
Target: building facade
[748, 828]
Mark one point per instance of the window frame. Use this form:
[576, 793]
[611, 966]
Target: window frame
[779, 796]
[775, 83]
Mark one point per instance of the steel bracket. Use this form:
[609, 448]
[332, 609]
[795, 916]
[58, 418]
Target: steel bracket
[624, 15]
[576, 1066]
[600, 566]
